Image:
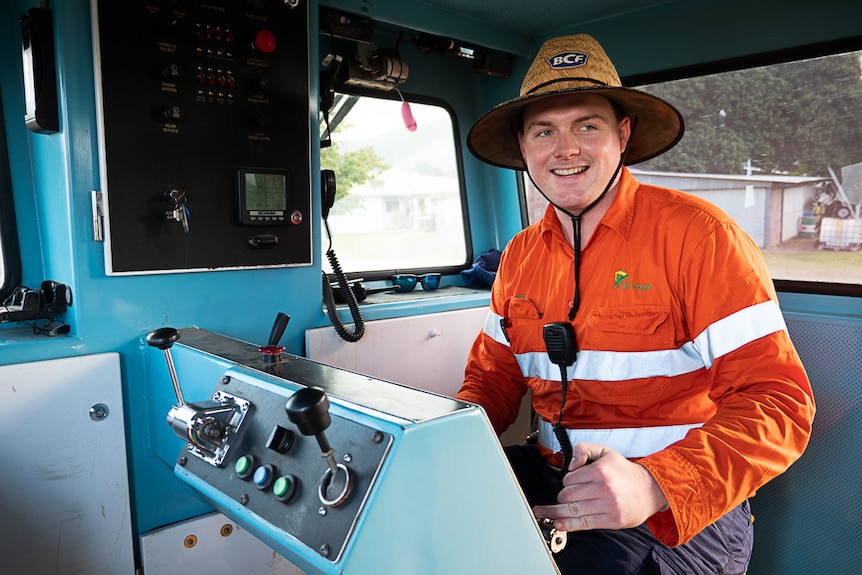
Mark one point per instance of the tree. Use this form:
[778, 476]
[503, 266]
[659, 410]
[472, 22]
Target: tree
[351, 169]
[794, 118]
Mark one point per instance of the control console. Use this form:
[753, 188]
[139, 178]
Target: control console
[344, 473]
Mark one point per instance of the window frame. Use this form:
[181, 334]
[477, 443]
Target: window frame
[752, 61]
[393, 95]
[10, 253]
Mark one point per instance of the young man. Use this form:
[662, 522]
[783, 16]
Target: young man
[686, 393]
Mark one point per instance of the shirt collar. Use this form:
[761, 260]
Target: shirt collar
[619, 216]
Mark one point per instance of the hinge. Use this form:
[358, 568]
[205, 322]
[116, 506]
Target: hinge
[98, 216]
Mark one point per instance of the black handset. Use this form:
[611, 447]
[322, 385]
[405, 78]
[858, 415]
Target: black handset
[562, 348]
[328, 188]
[327, 91]
[560, 343]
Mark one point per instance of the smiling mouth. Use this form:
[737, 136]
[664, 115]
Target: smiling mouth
[570, 171]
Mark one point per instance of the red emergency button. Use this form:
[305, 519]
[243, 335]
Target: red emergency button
[264, 41]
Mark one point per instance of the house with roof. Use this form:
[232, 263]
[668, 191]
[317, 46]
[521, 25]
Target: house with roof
[769, 207]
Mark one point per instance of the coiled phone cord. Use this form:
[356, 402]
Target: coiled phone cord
[559, 430]
[349, 297]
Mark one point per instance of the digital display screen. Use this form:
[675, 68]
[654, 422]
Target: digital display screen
[265, 192]
[261, 196]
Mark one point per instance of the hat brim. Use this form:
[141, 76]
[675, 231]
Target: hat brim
[659, 126]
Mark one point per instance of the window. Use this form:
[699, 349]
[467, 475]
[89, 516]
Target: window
[777, 148]
[400, 197]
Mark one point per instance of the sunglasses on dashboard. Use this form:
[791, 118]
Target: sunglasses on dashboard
[407, 282]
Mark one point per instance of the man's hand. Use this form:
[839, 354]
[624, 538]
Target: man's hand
[603, 490]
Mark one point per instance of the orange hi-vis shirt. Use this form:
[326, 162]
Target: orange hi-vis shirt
[684, 362]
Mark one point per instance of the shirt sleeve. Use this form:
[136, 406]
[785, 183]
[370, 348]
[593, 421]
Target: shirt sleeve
[492, 377]
[764, 403]
[493, 380]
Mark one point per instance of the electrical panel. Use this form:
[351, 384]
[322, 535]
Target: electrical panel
[205, 134]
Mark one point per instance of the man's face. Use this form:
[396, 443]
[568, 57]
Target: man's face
[572, 144]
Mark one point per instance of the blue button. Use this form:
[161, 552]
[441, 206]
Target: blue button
[261, 475]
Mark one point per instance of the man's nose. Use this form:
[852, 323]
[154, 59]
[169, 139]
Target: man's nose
[567, 145]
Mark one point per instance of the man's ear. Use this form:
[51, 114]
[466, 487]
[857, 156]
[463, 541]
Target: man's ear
[625, 132]
[520, 135]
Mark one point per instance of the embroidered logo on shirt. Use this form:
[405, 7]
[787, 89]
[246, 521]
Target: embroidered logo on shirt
[620, 277]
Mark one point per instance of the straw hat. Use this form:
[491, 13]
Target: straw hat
[575, 65]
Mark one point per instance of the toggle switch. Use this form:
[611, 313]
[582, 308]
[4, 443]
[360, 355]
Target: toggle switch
[174, 113]
[172, 71]
[280, 440]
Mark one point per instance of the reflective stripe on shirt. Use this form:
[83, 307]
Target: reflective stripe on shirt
[720, 338]
[631, 442]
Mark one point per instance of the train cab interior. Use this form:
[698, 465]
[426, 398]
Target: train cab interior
[245, 251]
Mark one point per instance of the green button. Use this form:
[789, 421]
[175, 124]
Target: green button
[281, 486]
[242, 465]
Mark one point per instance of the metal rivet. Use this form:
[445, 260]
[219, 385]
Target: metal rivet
[99, 412]
[377, 437]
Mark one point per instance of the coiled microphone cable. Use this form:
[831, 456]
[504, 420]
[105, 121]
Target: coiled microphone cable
[346, 292]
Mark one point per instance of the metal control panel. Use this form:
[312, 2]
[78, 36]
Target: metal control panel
[278, 474]
[204, 132]
[340, 472]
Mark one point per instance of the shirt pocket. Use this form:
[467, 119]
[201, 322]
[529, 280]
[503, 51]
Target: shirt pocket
[522, 324]
[643, 327]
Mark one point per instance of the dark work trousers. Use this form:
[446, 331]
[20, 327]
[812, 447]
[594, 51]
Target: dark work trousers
[723, 547]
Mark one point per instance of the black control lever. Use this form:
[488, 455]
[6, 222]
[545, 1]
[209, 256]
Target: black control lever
[163, 339]
[308, 409]
[281, 321]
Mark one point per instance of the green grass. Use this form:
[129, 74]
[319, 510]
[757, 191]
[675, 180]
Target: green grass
[815, 265]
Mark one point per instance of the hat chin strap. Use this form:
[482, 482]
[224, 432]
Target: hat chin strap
[576, 218]
[559, 430]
